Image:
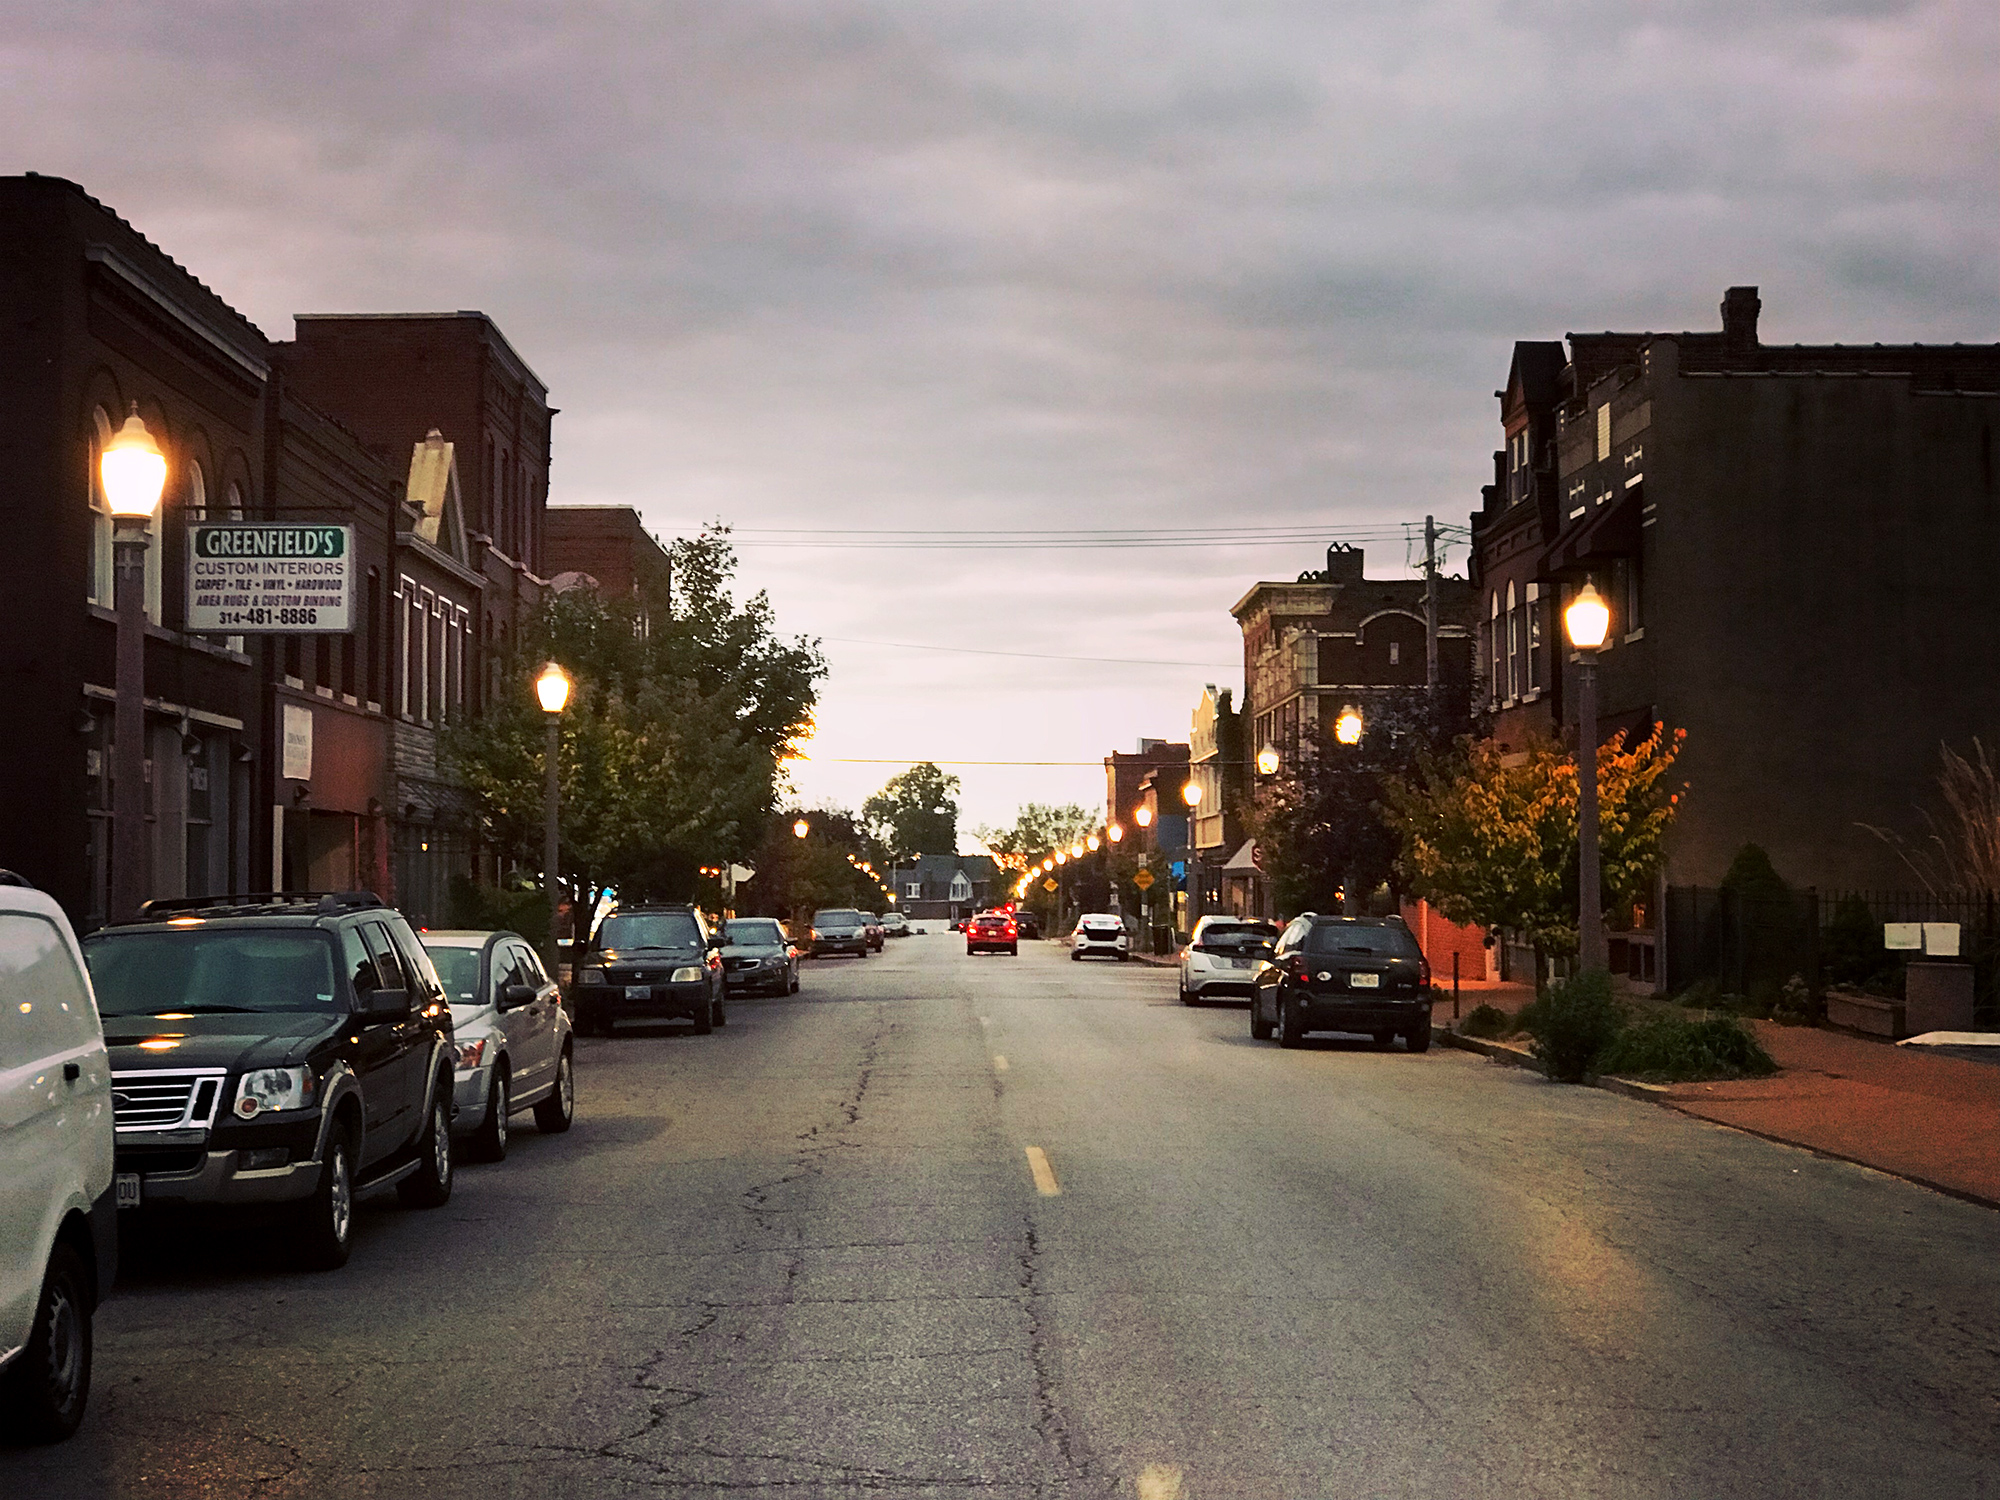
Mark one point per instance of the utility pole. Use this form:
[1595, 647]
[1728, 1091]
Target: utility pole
[1431, 603]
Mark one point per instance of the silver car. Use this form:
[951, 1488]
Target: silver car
[756, 955]
[513, 1037]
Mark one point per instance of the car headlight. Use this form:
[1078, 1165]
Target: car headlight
[470, 1053]
[276, 1088]
[815, 935]
[593, 976]
[685, 976]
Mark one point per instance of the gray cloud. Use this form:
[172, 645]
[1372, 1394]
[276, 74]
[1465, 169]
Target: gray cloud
[877, 266]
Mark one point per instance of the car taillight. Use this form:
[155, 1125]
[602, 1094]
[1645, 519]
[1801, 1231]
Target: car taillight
[1423, 972]
[1010, 929]
[1301, 969]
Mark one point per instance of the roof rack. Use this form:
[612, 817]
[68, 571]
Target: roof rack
[325, 903]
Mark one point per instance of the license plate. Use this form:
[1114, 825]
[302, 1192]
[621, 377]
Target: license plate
[1239, 963]
[128, 1189]
[1364, 981]
[638, 992]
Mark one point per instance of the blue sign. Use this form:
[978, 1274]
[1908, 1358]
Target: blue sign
[1180, 869]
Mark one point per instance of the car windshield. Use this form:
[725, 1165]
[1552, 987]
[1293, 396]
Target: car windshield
[458, 966]
[653, 929]
[869, 918]
[207, 972]
[837, 918]
[748, 933]
[1234, 935]
[1377, 942]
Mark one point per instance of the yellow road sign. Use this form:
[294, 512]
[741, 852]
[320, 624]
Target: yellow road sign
[1143, 880]
[1048, 885]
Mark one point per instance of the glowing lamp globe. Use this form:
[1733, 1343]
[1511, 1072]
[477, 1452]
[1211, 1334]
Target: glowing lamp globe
[552, 687]
[1143, 817]
[1191, 794]
[133, 471]
[1347, 728]
[1115, 832]
[1587, 619]
[1267, 761]
[801, 828]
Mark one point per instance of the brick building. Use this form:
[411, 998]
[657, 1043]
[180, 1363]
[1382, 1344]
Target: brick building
[607, 547]
[1129, 784]
[1795, 541]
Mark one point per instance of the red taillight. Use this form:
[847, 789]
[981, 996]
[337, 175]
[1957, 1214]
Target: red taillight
[1302, 970]
[1423, 972]
[1010, 929]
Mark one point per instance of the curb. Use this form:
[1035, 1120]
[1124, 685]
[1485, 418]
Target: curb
[1660, 1094]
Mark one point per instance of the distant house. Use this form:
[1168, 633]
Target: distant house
[944, 885]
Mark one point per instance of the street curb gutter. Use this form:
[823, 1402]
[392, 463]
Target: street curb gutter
[1661, 1094]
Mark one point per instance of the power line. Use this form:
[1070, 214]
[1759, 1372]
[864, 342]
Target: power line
[1119, 661]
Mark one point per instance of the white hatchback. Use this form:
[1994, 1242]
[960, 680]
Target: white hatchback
[58, 1212]
[1100, 933]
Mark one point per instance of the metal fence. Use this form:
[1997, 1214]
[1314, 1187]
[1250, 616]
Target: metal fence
[1750, 944]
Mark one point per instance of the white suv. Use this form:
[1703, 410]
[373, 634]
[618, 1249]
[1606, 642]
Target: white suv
[1100, 932]
[58, 1216]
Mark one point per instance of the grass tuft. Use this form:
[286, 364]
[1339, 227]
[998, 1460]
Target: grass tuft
[1669, 1048]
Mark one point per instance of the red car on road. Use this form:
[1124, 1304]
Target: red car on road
[994, 930]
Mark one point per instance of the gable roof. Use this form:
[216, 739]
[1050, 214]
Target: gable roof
[433, 494]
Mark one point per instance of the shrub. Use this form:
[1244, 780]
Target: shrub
[1571, 1023]
[1703, 994]
[1485, 1020]
[491, 909]
[1796, 1005]
[1669, 1048]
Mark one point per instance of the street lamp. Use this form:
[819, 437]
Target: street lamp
[801, 828]
[1093, 843]
[133, 472]
[1116, 832]
[1267, 760]
[1076, 851]
[1191, 795]
[1347, 728]
[552, 688]
[1062, 857]
[1587, 619]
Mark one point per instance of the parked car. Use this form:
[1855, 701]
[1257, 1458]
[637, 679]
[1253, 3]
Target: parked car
[291, 1049]
[756, 955]
[839, 929]
[58, 1210]
[1222, 958]
[1348, 974]
[1027, 924]
[895, 924]
[993, 932]
[512, 1035]
[871, 927]
[651, 963]
[1100, 933]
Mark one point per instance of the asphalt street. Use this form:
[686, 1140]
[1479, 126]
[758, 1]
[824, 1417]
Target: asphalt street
[950, 1226]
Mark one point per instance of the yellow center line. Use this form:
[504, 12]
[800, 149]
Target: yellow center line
[1045, 1175]
[999, 1063]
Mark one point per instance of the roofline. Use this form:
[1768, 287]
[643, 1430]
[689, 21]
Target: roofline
[434, 317]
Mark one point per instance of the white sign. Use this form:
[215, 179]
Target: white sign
[1898, 936]
[298, 727]
[275, 577]
[1941, 939]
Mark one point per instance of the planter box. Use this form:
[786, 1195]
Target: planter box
[1870, 1014]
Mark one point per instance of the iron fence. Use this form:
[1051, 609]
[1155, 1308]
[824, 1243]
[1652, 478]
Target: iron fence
[1750, 944]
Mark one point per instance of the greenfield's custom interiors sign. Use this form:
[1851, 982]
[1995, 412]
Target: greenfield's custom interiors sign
[278, 576]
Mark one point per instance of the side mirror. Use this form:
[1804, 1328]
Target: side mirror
[385, 1005]
[513, 996]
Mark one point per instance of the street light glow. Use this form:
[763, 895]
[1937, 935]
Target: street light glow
[552, 687]
[1143, 817]
[1347, 728]
[1076, 851]
[133, 470]
[1115, 832]
[1587, 618]
[1191, 794]
[1093, 843]
[1267, 761]
[1061, 858]
[801, 828]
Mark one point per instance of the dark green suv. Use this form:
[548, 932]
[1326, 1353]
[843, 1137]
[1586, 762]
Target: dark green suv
[291, 1050]
[1352, 974]
[654, 962]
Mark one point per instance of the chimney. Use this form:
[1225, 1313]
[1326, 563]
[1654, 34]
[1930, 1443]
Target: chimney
[1343, 564]
[1740, 307]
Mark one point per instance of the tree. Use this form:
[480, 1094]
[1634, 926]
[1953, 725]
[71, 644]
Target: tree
[1489, 837]
[916, 812]
[672, 745]
[1321, 828]
[1039, 830]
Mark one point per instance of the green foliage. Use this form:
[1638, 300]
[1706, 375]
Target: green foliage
[485, 908]
[1752, 877]
[1489, 836]
[916, 812]
[1039, 829]
[671, 748]
[1671, 1048]
[1571, 1023]
[1486, 1021]
[1796, 1004]
[1851, 950]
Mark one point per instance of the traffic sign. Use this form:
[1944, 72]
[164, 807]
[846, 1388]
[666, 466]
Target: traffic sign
[1048, 885]
[1143, 880]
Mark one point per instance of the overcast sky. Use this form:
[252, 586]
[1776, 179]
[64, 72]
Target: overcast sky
[884, 270]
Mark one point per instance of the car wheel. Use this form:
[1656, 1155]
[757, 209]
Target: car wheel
[554, 1114]
[490, 1143]
[1122, 957]
[1260, 1029]
[793, 989]
[1291, 1030]
[44, 1391]
[430, 1185]
[705, 1022]
[1188, 996]
[1075, 957]
[325, 1233]
[1013, 950]
[1418, 1038]
[1384, 1038]
[722, 1009]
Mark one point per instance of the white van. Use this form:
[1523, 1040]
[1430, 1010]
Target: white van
[58, 1215]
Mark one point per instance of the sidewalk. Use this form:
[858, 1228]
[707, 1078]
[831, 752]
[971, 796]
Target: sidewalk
[1932, 1120]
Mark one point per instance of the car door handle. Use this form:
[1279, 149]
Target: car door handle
[71, 1072]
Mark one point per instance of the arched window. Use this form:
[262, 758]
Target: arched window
[1495, 650]
[234, 501]
[101, 587]
[1513, 646]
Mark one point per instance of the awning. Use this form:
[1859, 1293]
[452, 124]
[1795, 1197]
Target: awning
[1243, 861]
[1612, 532]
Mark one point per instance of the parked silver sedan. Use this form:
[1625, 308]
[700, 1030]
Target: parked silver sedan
[513, 1036]
[756, 955]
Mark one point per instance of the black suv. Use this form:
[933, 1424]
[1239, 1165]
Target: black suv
[651, 962]
[291, 1050]
[1352, 974]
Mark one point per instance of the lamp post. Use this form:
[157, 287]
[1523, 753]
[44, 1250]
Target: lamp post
[133, 472]
[1191, 795]
[1347, 728]
[1587, 619]
[552, 687]
[1267, 760]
